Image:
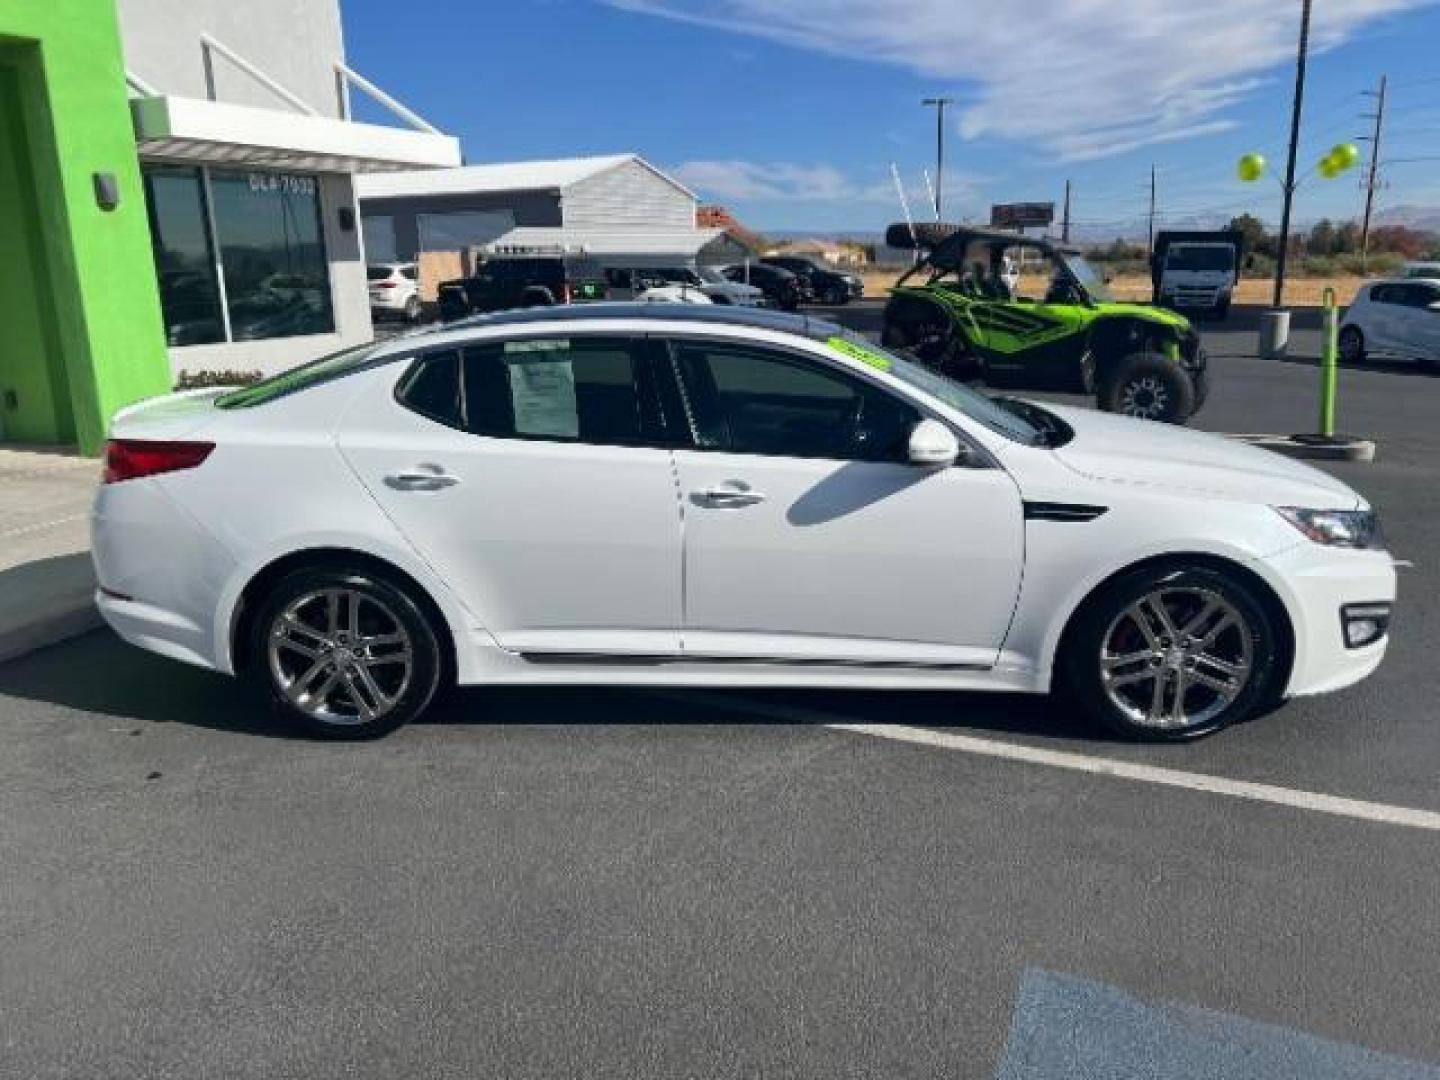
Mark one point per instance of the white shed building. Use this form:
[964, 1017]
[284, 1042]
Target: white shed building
[617, 206]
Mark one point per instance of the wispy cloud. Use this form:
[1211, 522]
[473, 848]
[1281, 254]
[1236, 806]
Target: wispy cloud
[1082, 78]
[788, 181]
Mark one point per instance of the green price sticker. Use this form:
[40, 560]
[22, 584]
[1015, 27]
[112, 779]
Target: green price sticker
[859, 352]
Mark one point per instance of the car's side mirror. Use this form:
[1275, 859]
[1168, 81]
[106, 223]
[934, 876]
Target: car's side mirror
[933, 445]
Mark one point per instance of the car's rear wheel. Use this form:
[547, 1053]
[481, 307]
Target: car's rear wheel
[344, 655]
[1352, 345]
[1167, 654]
[1148, 386]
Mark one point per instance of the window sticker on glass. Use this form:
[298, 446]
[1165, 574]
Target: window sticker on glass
[542, 391]
[541, 345]
[879, 361]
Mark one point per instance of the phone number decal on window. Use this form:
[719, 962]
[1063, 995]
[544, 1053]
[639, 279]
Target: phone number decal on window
[283, 183]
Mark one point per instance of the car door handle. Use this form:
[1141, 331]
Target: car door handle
[732, 493]
[422, 478]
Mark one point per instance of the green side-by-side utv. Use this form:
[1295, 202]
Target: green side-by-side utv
[961, 310]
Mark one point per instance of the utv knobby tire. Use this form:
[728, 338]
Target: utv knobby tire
[1148, 386]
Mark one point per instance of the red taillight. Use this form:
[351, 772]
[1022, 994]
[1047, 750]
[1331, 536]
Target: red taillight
[130, 459]
[383, 284]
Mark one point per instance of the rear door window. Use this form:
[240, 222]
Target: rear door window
[589, 390]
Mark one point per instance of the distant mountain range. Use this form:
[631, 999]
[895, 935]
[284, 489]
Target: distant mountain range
[1426, 218]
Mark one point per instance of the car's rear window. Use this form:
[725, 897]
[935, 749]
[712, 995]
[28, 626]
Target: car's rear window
[318, 371]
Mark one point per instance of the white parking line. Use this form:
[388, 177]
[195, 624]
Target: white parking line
[1357, 809]
[1297, 798]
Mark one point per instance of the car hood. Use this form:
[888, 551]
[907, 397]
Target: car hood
[1148, 454]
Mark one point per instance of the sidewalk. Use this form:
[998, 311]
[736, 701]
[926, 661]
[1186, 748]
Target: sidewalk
[46, 581]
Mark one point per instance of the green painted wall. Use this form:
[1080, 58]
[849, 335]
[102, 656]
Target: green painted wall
[94, 341]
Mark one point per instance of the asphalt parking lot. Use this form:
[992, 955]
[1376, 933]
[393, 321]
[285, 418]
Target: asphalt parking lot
[609, 883]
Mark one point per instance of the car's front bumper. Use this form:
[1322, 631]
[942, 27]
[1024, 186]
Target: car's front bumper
[1320, 583]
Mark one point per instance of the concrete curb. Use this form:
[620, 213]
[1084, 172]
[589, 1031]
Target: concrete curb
[1313, 447]
[46, 602]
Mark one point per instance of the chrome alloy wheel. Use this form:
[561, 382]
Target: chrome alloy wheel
[1176, 658]
[1146, 398]
[340, 656]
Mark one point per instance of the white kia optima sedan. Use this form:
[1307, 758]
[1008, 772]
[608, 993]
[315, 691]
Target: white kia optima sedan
[657, 494]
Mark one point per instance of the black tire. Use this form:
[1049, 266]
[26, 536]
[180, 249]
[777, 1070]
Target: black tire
[838, 295]
[1200, 380]
[1148, 386]
[1222, 310]
[412, 309]
[1105, 629]
[335, 656]
[1352, 345]
[927, 234]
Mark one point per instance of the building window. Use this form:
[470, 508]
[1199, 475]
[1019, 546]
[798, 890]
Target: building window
[273, 273]
[277, 281]
[184, 258]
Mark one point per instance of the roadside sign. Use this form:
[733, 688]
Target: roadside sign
[1025, 215]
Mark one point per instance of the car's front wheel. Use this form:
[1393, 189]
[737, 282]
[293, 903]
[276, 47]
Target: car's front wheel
[343, 654]
[1167, 654]
[1148, 386]
[1352, 345]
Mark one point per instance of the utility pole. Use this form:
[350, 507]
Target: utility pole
[1374, 181]
[1283, 258]
[939, 103]
[1152, 211]
[1065, 221]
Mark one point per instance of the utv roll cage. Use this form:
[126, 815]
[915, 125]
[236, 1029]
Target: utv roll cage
[948, 256]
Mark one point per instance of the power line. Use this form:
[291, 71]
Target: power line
[1373, 181]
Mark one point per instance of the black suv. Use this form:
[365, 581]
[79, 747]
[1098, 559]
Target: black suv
[519, 282]
[783, 289]
[822, 285]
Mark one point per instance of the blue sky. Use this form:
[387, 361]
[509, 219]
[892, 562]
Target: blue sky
[790, 113]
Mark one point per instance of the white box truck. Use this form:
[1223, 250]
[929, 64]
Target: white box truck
[1194, 272]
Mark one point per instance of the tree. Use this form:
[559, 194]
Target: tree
[1252, 229]
[1347, 238]
[1322, 239]
[1411, 243]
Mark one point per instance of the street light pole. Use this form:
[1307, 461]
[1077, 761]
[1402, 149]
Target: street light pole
[939, 103]
[1284, 253]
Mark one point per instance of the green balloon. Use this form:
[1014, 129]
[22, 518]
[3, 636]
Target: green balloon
[1345, 154]
[1251, 167]
[1330, 168]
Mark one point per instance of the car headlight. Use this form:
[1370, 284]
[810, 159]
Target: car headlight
[1336, 528]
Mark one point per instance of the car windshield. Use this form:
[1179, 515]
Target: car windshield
[324, 369]
[1194, 257]
[991, 413]
[377, 273]
[1088, 276]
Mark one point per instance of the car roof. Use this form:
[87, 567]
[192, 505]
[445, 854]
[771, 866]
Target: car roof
[1404, 281]
[606, 311]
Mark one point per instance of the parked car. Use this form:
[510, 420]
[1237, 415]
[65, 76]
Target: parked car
[673, 294]
[661, 494]
[1397, 318]
[780, 287]
[822, 284]
[506, 281]
[1422, 270]
[627, 282]
[394, 290]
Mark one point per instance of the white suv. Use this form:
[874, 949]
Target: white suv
[394, 290]
[1399, 318]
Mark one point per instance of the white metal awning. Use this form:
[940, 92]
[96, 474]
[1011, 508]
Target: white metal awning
[703, 245]
[174, 128]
